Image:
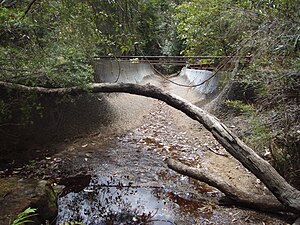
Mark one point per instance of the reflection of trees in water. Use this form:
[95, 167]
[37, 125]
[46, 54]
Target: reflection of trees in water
[108, 203]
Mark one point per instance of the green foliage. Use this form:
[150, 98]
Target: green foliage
[54, 43]
[268, 30]
[24, 217]
[39, 50]
[261, 135]
[241, 107]
[210, 27]
[221, 27]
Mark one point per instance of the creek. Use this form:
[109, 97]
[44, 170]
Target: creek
[131, 184]
[127, 182]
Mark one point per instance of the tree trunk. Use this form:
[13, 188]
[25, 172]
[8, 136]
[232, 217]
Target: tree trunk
[284, 192]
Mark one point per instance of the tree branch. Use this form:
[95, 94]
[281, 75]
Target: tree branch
[267, 203]
[28, 8]
[284, 192]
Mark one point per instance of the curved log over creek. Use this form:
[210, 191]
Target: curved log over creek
[126, 180]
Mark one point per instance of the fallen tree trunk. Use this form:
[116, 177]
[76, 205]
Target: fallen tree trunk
[267, 203]
[284, 192]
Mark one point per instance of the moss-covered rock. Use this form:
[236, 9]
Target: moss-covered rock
[19, 194]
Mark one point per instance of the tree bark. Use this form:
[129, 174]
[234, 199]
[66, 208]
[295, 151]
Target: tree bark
[284, 192]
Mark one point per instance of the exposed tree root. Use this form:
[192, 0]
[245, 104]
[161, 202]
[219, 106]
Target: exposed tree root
[284, 192]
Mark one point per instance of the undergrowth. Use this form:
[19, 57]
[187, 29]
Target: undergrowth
[260, 134]
[25, 217]
[274, 116]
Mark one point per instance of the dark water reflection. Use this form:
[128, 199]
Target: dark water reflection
[112, 202]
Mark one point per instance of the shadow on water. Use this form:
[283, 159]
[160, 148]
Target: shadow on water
[108, 200]
[74, 184]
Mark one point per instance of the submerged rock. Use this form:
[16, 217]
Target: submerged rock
[16, 195]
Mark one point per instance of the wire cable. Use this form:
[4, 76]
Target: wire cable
[218, 68]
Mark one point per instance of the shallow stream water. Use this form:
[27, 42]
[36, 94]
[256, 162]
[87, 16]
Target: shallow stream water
[131, 184]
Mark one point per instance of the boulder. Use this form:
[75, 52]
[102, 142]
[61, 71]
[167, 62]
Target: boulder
[17, 194]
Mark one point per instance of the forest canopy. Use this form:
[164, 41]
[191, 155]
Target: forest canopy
[51, 43]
